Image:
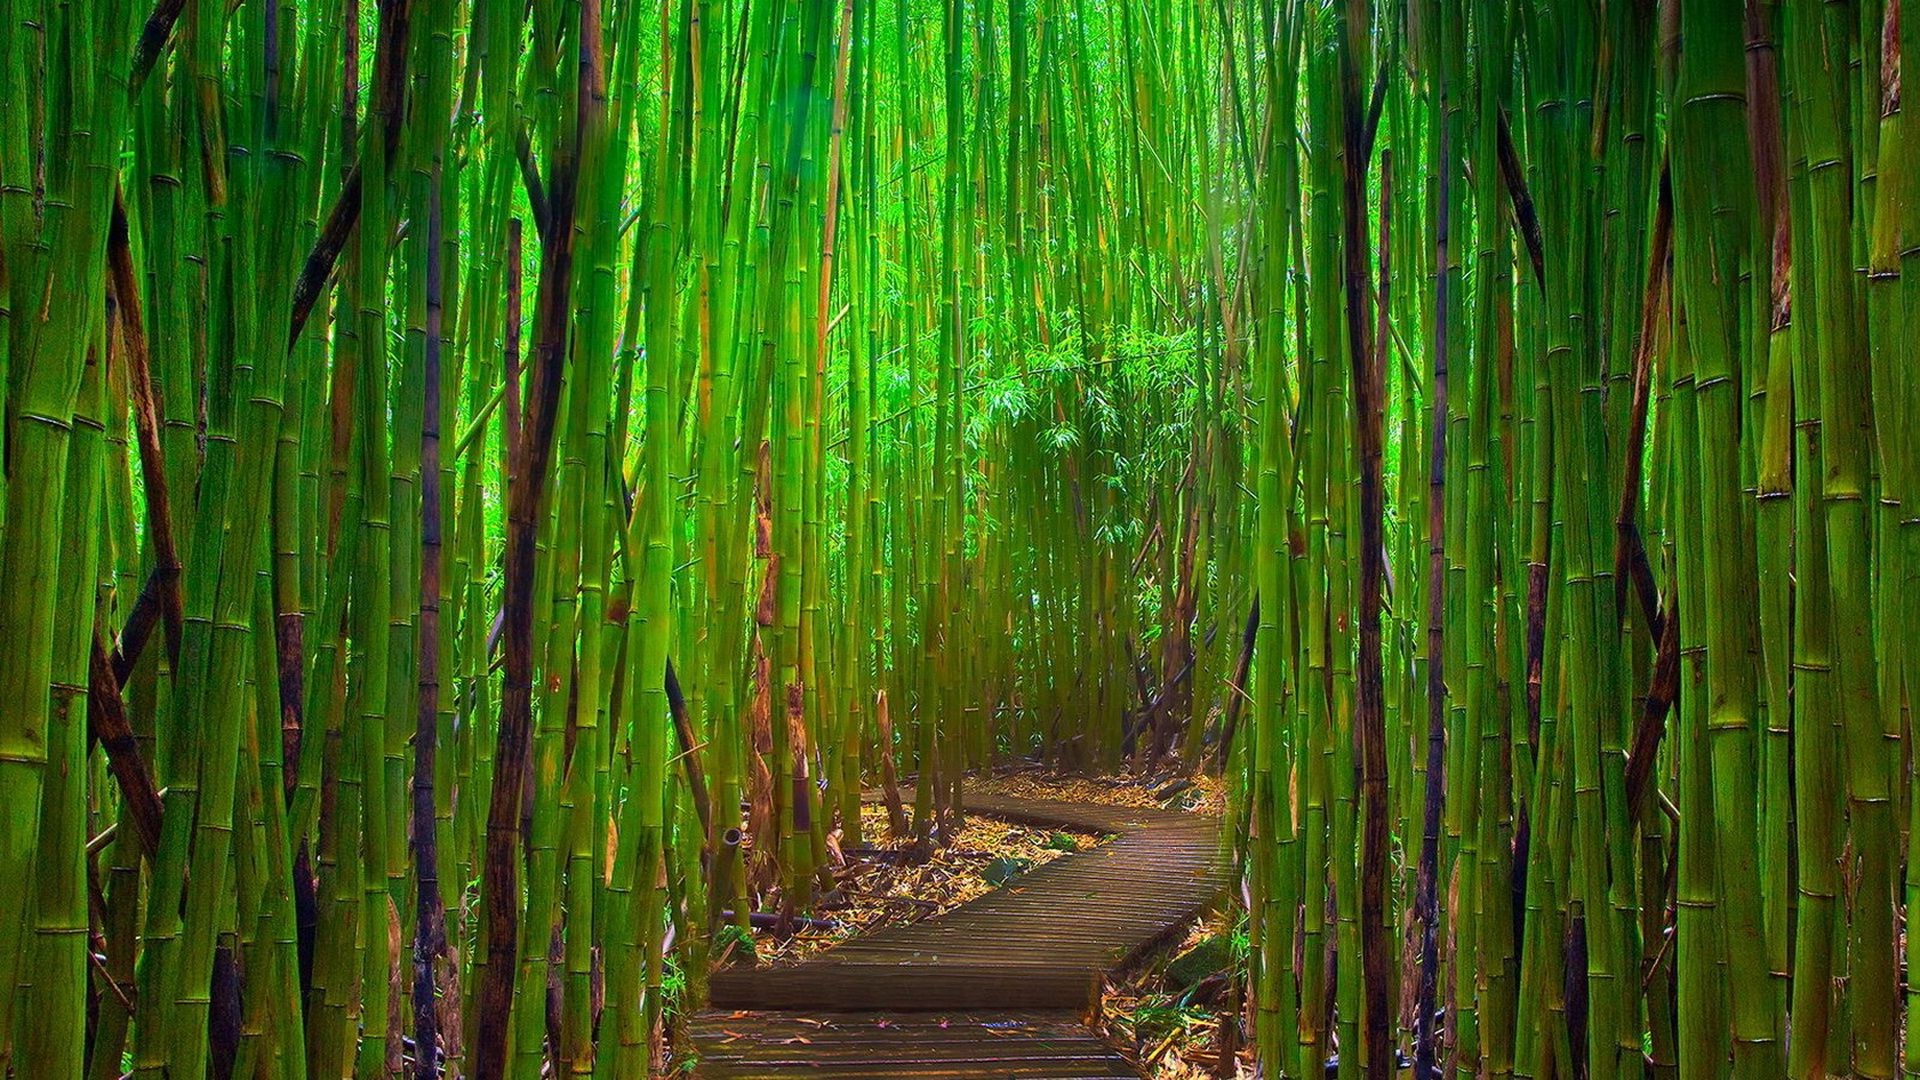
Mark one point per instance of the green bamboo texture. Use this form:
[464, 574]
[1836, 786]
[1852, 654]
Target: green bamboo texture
[487, 487]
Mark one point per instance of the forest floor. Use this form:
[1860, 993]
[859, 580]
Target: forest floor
[1195, 794]
[1166, 1012]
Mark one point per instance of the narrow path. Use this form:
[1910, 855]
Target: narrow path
[993, 988]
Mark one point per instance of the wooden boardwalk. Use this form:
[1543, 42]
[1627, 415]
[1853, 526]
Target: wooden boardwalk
[993, 988]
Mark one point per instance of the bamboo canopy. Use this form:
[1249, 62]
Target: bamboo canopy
[487, 485]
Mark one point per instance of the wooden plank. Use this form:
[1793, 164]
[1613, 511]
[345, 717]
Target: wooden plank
[856, 985]
[1052, 1045]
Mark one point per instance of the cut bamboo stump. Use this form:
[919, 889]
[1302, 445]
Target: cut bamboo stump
[995, 987]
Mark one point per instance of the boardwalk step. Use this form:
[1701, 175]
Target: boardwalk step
[1053, 1045]
[856, 985]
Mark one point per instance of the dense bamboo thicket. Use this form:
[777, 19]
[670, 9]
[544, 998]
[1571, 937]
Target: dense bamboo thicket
[488, 483]
[1583, 743]
[460, 453]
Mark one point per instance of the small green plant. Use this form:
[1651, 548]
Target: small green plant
[1004, 869]
[732, 939]
[673, 982]
[1161, 1017]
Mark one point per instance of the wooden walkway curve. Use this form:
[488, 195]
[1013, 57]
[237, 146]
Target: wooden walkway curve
[993, 988]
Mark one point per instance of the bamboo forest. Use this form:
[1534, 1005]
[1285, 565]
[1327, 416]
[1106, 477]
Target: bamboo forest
[943, 538]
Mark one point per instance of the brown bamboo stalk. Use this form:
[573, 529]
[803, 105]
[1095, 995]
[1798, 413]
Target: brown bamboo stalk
[430, 936]
[107, 722]
[1629, 552]
[161, 595]
[525, 508]
[390, 84]
[1368, 395]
